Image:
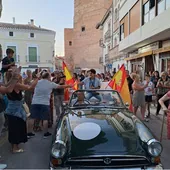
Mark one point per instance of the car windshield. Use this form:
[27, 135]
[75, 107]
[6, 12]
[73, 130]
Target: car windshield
[96, 98]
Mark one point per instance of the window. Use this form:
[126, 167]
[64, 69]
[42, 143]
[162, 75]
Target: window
[83, 29]
[11, 34]
[70, 43]
[108, 49]
[115, 41]
[109, 26]
[32, 54]
[167, 4]
[14, 48]
[116, 14]
[122, 32]
[161, 6]
[146, 12]
[32, 35]
[152, 4]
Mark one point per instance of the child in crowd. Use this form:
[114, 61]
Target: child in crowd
[148, 93]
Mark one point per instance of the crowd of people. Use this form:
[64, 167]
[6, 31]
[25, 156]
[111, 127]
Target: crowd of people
[41, 90]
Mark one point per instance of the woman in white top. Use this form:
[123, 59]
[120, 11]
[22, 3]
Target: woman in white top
[40, 108]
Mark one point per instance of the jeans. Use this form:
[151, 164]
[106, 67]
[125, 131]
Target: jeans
[2, 121]
[89, 95]
[58, 102]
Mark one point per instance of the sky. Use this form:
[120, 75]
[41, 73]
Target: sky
[51, 14]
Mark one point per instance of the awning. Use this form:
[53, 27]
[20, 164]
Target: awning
[140, 55]
[161, 50]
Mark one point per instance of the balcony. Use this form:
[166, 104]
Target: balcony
[107, 36]
[101, 60]
[107, 58]
[28, 61]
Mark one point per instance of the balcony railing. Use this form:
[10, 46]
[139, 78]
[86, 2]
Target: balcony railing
[107, 35]
[28, 61]
[100, 60]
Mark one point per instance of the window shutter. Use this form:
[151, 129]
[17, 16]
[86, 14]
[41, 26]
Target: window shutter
[32, 54]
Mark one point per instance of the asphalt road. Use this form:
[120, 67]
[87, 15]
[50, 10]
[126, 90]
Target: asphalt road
[37, 149]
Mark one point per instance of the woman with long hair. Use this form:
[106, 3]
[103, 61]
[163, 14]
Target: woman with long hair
[17, 129]
[138, 94]
[163, 86]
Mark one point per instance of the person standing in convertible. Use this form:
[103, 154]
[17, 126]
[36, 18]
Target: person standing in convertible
[91, 83]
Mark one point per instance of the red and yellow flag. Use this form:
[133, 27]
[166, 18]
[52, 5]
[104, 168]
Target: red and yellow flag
[69, 81]
[120, 84]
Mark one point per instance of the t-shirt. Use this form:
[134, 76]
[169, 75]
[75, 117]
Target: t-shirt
[149, 89]
[43, 91]
[88, 82]
[6, 61]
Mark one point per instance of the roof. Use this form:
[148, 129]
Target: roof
[23, 27]
[104, 17]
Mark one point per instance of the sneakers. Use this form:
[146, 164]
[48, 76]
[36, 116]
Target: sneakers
[47, 135]
[30, 135]
[3, 166]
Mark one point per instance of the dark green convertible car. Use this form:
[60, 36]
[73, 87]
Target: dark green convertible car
[97, 131]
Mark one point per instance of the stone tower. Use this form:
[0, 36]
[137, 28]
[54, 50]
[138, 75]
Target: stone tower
[85, 50]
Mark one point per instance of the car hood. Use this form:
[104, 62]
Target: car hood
[103, 134]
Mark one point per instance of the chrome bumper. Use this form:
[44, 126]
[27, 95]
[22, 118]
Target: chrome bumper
[158, 167]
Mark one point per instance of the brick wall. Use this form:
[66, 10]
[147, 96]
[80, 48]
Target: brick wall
[85, 49]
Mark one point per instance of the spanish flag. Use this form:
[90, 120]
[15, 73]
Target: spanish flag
[69, 81]
[120, 84]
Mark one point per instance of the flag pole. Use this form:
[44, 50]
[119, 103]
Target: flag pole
[162, 127]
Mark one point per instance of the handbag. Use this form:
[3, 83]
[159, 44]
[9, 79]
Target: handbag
[27, 110]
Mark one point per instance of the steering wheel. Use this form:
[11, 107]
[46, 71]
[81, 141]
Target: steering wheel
[85, 102]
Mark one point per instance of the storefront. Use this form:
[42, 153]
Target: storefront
[164, 57]
[142, 60]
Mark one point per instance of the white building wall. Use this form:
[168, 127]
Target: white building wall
[44, 42]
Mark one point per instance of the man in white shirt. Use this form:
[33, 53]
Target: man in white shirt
[148, 93]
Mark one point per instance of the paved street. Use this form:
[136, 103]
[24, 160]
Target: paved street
[37, 149]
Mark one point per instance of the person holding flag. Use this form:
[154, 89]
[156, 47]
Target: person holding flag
[68, 80]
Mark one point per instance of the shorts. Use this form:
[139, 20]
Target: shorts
[40, 112]
[148, 99]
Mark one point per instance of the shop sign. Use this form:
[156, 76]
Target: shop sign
[149, 47]
[161, 50]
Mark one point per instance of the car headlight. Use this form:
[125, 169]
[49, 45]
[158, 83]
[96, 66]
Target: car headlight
[154, 147]
[58, 149]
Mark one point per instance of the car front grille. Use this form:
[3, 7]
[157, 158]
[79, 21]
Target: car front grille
[108, 162]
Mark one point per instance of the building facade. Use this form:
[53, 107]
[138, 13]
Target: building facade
[144, 34]
[81, 42]
[111, 59]
[33, 46]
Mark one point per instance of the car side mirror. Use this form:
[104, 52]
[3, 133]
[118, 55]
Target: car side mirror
[127, 105]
